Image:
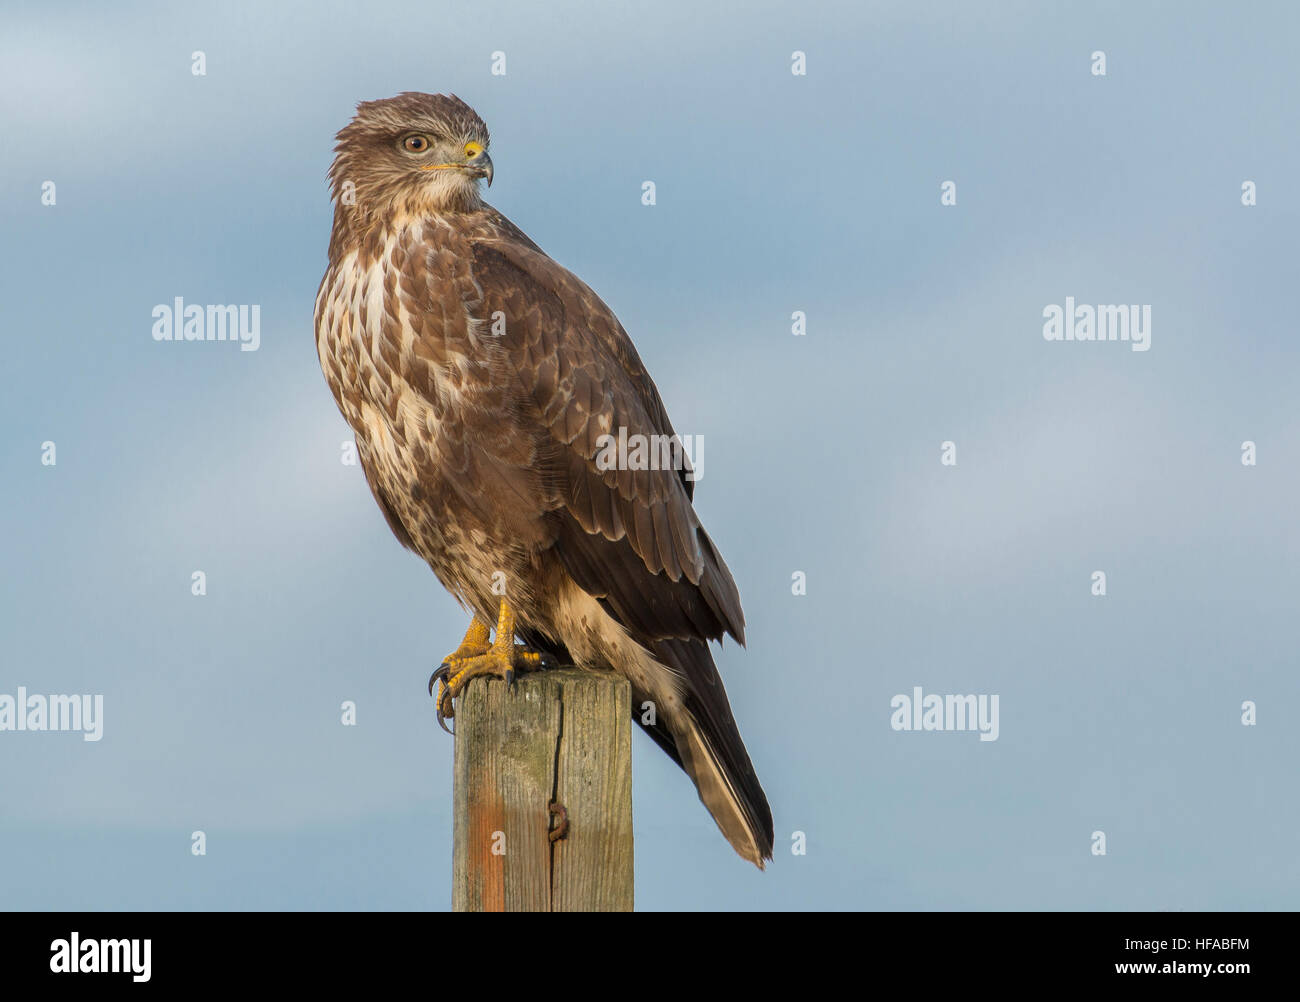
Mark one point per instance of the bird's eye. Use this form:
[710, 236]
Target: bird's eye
[415, 144]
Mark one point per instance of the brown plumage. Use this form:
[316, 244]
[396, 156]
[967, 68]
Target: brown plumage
[480, 444]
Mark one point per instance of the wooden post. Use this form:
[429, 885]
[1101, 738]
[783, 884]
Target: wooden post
[558, 737]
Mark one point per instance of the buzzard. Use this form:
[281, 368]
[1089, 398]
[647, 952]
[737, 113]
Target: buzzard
[482, 379]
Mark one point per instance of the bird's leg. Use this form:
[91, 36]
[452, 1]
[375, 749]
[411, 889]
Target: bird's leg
[475, 657]
[477, 641]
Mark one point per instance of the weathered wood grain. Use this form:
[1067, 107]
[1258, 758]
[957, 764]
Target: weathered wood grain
[557, 737]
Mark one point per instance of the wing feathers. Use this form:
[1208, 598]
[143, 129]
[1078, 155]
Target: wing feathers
[628, 537]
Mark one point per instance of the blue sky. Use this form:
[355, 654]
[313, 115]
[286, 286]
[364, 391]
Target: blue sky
[775, 193]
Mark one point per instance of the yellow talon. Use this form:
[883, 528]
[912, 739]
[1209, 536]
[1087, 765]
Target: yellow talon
[474, 657]
[475, 643]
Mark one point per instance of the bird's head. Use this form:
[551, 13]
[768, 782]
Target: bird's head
[412, 154]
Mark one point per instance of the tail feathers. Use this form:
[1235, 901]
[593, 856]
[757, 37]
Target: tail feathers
[704, 741]
[746, 824]
[710, 749]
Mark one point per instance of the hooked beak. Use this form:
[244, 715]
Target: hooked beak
[477, 163]
[483, 164]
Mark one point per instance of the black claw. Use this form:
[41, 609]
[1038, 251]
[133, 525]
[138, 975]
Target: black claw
[443, 674]
[510, 678]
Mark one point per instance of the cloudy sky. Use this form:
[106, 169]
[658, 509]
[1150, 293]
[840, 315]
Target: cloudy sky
[776, 193]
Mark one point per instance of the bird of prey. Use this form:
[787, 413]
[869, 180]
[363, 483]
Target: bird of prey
[482, 379]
